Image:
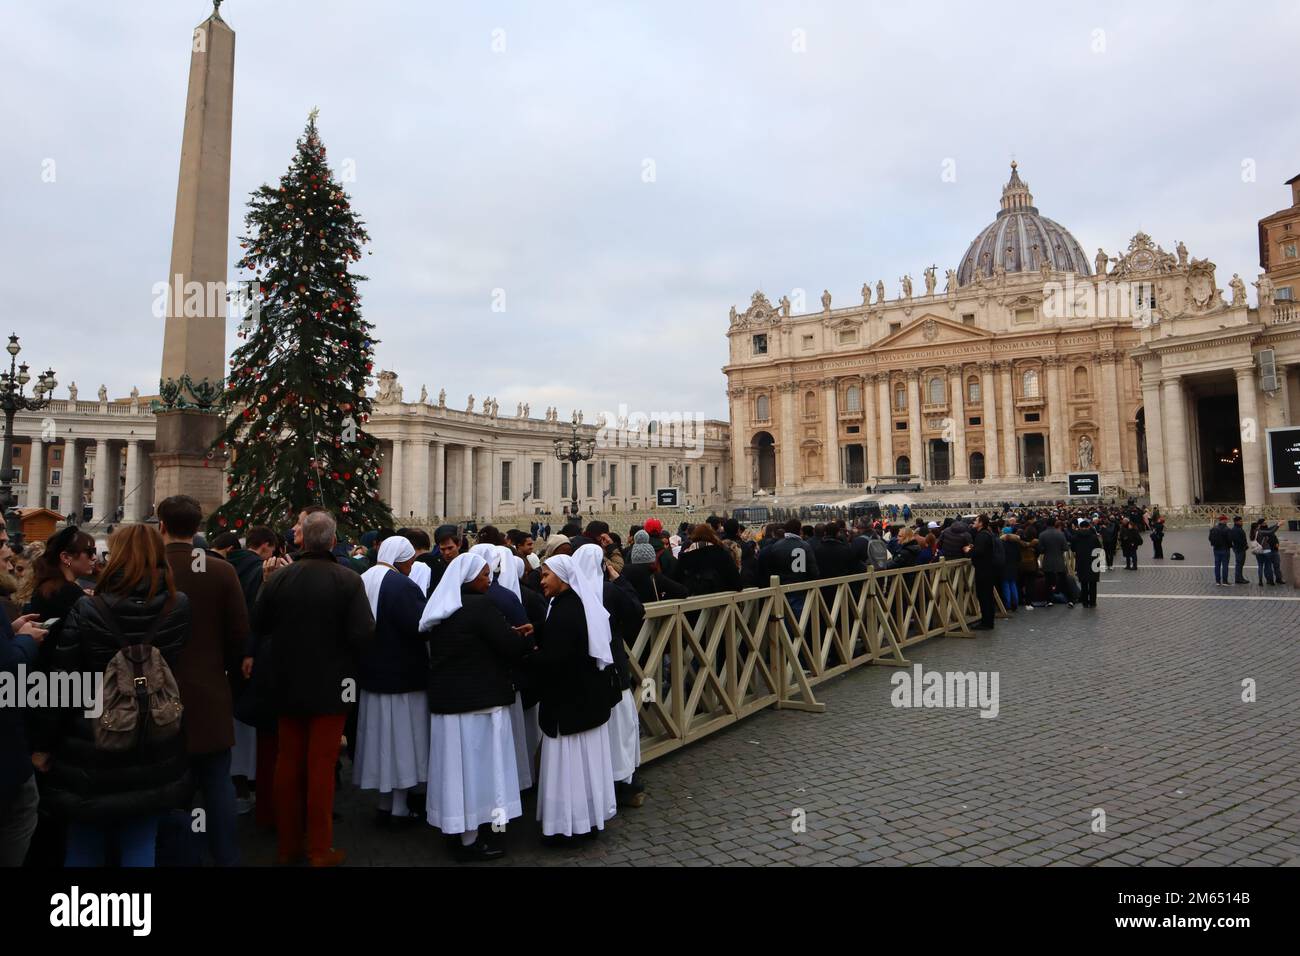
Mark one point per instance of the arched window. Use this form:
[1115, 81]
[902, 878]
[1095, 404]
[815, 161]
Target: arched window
[900, 396]
[936, 391]
[973, 390]
[853, 399]
[762, 408]
[1030, 383]
[1081, 381]
[903, 466]
[977, 464]
[810, 405]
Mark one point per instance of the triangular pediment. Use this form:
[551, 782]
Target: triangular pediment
[929, 330]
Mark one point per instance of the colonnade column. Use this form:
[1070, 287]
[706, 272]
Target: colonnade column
[1010, 462]
[1252, 452]
[1159, 490]
[439, 468]
[1175, 431]
[832, 432]
[915, 452]
[958, 409]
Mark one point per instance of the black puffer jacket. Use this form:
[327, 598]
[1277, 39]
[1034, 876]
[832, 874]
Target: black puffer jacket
[575, 693]
[94, 786]
[707, 569]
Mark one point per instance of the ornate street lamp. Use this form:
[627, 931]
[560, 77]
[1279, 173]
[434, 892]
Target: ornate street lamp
[12, 401]
[574, 449]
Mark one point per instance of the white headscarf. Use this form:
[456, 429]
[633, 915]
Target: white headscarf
[584, 576]
[391, 552]
[445, 599]
[488, 552]
[510, 570]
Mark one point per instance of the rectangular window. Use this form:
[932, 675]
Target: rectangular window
[1024, 316]
[505, 480]
[973, 392]
[895, 327]
[58, 456]
[848, 336]
[760, 344]
[564, 480]
[54, 502]
[1031, 416]
[537, 479]
[1283, 294]
[900, 426]
[18, 475]
[591, 479]
[807, 343]
[654, 478]
[715, 479]
[17, 452]
[56, 476]
[686, 476]
[633, 490]
[701, 479]
[613, 480]
[853, 429]
[976, 421]
[1289, 250]
[968, 318]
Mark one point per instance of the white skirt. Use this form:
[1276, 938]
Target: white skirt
[472, 774]
[576, 790]
[243, 759]
[392, 741]
[532, 731]
[523, 756]
[624, 738]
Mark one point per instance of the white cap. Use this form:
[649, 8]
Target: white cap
[932, 525]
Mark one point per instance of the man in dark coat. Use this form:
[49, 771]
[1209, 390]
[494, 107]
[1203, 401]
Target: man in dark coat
[1088, 558]
[218, 632]
[1239, 546]
[954, 539]
[983, 545]
[317, 619]
[1052, 546]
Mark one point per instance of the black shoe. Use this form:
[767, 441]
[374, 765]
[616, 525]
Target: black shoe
[480, 851]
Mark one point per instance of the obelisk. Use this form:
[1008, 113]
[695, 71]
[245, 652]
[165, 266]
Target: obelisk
[194, 339]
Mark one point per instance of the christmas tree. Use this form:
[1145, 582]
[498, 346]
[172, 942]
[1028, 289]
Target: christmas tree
[296, 397]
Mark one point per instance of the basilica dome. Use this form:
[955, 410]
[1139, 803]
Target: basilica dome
[1019, 238]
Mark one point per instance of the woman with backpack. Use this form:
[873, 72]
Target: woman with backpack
[114, 776]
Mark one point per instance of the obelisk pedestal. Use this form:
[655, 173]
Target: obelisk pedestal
[194, 338]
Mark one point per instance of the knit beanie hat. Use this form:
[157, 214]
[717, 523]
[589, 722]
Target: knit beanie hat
[643, 551]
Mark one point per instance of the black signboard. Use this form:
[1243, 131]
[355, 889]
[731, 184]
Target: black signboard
[666, 497]
[1283, 458]
[1084, 484]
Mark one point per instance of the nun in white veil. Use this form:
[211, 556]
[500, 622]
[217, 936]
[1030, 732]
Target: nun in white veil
[575, 793]
[473, 778]
[392, 750]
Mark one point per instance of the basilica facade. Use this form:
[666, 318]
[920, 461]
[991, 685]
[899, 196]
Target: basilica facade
[1036, 359]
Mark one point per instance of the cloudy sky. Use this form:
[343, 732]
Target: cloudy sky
[795, 145]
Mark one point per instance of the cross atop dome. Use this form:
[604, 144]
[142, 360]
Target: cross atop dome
[1015, 194]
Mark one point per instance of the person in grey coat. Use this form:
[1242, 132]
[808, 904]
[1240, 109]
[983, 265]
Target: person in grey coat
[1052, 546]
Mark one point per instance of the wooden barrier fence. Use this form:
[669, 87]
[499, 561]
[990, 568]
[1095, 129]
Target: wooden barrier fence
[704, 663]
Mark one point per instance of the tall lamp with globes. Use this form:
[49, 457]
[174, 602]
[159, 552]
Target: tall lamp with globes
[12, 401]
[574, 449]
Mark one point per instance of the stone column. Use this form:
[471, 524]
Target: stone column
[36, 475]
[1112, 457]
[397, 468]
[739, 405]
[789, 453]
[1155, 438]
[1174, 429]
[833, 475]
[1011, 466]
[102, 493]
[915, 449]
[439, 479]
[131, 510]
[1252, 452]
[1058, 437]
[74, 476]
[418, 468]
[870, 457]
[956, 385]
[991, 469]
[467, 482]
[885, 412]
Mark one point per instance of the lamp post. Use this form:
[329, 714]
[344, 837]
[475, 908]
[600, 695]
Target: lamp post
[12, 401]
[574, 449]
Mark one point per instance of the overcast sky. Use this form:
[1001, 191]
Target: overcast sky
[795, 145]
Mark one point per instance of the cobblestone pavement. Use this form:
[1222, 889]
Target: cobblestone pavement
[1133, 709]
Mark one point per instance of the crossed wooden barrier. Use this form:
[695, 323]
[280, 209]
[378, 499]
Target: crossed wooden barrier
[705, 663]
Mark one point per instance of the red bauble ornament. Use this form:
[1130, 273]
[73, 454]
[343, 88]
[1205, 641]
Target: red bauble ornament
[221, 521]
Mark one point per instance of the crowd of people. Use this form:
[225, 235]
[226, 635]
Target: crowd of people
[459, 676]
